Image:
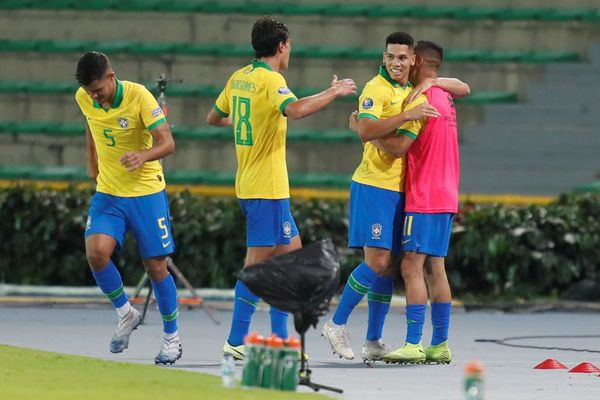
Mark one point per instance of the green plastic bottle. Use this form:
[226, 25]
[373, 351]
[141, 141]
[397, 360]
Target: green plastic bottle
[254, 345]
[474, 381]
[289, 365]
[270, 362]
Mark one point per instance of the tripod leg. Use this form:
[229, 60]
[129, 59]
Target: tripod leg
[317, 386]
[304, 373]
[138, 288]
[147, 304]
[179, 275]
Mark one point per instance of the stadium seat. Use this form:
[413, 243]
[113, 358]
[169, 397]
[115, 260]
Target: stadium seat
[16, 171]
[488, 97]
[188, 90]
[332, 9]
[192, 177]
[231, 50]
[591, 187]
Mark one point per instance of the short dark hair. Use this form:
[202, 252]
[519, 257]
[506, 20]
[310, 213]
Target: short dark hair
[400, 38]
[91, 66]
[267, 34]
[432, 53]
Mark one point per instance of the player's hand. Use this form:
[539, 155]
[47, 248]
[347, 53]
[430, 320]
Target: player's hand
[423, 110]
[343, 87]
[133, 160]
[419, 90]
[353, 121]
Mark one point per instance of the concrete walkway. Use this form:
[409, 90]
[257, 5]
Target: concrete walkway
[86, 329]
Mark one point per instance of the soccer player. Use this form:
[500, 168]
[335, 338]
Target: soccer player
[127, 134]
[431, 202]
[255, 102]
[376, 198]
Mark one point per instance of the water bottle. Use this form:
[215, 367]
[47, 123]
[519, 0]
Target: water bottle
[228, 371]
[270, 362]
[288, 364]
[474, 381]
[254, 346]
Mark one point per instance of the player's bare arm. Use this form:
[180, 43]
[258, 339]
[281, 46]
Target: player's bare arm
[393, 144]
[92, 155]
[455, 87]
[162, 147]
[369, 129]
[311, 104]
[215, 119]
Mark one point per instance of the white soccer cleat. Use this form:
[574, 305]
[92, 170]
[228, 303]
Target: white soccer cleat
[338, 339]
[126, 325]
[170, 351]
[374, 350]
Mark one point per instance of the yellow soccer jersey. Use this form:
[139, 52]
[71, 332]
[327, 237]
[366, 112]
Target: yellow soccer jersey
[256, 97]
[123, 128]
[382, 98]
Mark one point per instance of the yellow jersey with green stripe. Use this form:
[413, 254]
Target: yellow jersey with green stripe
[255, 96]
[124, 127]
[382, 98]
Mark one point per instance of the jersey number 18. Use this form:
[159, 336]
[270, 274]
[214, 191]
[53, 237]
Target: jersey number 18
[241, 121]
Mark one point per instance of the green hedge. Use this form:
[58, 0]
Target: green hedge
[496, 251]
[42, 237]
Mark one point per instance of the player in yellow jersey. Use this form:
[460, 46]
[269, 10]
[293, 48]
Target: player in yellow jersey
[255, 102]
[376, 197]
[127, 134]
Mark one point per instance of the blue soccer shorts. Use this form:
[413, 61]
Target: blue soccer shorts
[268, 222]
[147, 217]
[376, 217]
[427, 233]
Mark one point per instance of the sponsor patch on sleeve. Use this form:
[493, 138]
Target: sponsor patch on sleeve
[283, 90]
[156, 112]
[367, 103]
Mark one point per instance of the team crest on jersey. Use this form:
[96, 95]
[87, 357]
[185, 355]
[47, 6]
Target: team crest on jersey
[287, 228]
[156, 112]
[123, 122]
[283, 90]
[376, 231]
[367, 103]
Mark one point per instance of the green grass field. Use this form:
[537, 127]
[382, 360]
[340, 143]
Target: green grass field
[32, 374]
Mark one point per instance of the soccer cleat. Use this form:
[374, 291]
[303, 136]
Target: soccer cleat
[237, 352]
[407, 354]
[374, 350]
[438, 354]
[338, 339]
[170, 351]
[126, 325]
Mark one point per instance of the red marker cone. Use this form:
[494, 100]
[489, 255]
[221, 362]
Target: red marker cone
[550, 363]
[585, 367]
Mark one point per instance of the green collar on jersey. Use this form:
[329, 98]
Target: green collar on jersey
[118, 97]
[261, 64]
[384, 73]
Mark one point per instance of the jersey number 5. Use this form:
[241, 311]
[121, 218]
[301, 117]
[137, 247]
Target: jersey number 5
[109, 137]
[241, 121]
[163, 227]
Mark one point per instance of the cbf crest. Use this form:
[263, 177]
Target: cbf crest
[287, 228]
[123, 122]
[376, 231]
